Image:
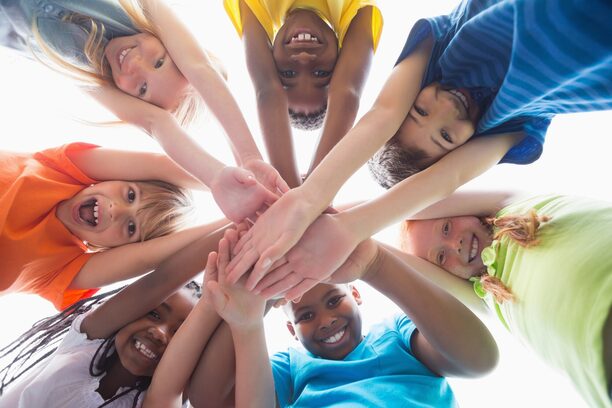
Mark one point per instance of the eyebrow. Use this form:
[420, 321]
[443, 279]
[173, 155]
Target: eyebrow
[166, 306]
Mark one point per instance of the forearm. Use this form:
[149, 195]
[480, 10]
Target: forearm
[274, 122]
[342, 109]
[254, 382]
[451, 328]
[131, 260]
[180, 358]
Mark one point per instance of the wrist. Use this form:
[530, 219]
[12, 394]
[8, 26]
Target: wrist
[246, 328]
[373, 270]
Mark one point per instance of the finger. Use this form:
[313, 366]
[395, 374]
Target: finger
[298, 290]
[223, 260]
[243, 241]
[231, 235]
[273, 277]
[269, 197]
[211, 267]
[244, 176]
[330, 210]
[282, 286]
[282, 185]
[243, 265]
[267, 258]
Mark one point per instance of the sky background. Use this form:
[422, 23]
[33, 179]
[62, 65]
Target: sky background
[41, 109]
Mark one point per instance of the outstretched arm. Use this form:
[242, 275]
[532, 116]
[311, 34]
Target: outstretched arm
[131, 260]
[346, 84]
[182, 354]
[451, 340]
[272, 104]
[147, 292]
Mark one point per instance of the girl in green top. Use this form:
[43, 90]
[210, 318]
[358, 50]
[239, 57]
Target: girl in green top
[543, 264]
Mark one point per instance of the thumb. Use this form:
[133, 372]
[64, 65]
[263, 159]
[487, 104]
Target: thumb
[244, 176]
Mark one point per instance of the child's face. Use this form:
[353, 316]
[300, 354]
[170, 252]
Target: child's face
[327, 320]
[141, 343]
[439, 121]
[104, 214]
[305, 51]
[453, 243]
[142, 67]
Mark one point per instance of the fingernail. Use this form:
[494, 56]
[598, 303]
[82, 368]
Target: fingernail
[266, 264]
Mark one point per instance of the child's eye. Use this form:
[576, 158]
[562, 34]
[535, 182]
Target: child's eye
[446, 136]
[420, 111]
[131, 196]
[446, 228]
[143, 90]
[305, 317]
[333, 301]
[154, 315]
[287, 74]
[319, 73]
[159, 63]
[441, 258]
[131, 228]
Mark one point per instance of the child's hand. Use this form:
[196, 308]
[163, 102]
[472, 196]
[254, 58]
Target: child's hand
[237, 306]
[361, 262]
[239, 194]
[267, 175]
[325, 246]
[275, 232]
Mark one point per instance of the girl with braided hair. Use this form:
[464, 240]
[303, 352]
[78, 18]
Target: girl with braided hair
[103, 351]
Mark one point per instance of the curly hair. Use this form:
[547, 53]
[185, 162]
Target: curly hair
[394, 163]
[43, 338]
[307, 121]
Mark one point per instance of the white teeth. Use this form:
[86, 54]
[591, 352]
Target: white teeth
[461, 96]
[123, 54]
[96, 208]
[144, 350]
[474, 249]
[304, 37]
[335, 337]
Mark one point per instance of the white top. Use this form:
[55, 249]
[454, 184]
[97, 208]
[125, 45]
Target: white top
[64, 381]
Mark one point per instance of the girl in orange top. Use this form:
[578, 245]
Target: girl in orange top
[67, 224]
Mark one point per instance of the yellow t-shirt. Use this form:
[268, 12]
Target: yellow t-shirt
[337, 13]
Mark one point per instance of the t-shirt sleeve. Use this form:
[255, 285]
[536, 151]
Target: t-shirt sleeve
[281, 371]
[232, 8]
[420, 31]
[406, 328]
[58, 158]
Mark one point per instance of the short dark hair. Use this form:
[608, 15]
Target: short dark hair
[394, 163]
[307, 121]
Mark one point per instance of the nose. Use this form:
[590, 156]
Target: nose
[328, 323]
[303, 57]
[159, 334]
[118, 211]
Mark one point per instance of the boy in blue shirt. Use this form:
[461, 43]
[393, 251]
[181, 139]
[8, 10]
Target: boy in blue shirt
[401, 362]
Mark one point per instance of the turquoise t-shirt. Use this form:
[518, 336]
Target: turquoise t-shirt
[380, 372]
[562, 287]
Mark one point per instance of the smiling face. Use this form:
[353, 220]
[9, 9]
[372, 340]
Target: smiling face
[305, 51]
[141, 343]
[454, 243]
[327, 320]
[105, 214]
[440, 120]
[142, 67]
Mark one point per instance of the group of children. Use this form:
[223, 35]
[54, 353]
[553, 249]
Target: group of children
[470, 89]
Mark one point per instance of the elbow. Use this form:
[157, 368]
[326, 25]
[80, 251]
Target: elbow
[485, 358]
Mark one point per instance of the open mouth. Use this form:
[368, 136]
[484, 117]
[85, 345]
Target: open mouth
[144, 350]
[335, 338]
[303, 37]
[89, 211]
[474, 249]
[462, 98]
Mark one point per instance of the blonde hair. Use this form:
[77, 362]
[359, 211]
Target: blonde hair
[98, 72]
[166, 208]
[521, 229]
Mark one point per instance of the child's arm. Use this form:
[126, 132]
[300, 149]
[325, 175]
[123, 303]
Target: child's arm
[450, 340]
[281, 226]
[272, 104]
[332, 238]
[346, 84]
[108, 164]
[243, 312]
[477, 203]
[131, 260]
[182, 354]
[147, 292]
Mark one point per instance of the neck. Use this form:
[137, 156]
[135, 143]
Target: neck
[115, 377]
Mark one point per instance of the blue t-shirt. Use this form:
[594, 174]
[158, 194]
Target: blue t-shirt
[65, 37]
[524, 61]
[380, 372]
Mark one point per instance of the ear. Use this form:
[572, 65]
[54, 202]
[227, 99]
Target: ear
[291, 329]
[355, 294]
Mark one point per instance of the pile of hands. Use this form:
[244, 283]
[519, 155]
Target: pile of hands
[291, 245]
[241, 301]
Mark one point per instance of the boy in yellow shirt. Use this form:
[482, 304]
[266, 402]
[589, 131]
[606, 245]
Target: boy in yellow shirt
[307, 58]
